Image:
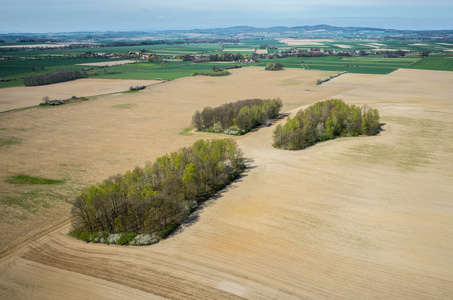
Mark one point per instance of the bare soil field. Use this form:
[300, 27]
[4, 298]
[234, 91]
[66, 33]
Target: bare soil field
[295, 42]
[109, 63]
[368, 217]
[25, 96]
[261, 51]
[56, 45]
[343, 46]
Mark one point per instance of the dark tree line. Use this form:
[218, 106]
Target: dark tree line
[147, 200]
[324, 121]
[170, 42]
[242, 114]
[228, 56]
[394, 54]
[52, 78]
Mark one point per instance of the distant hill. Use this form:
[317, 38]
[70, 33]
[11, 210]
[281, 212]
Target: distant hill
[242, 32]
[324, 31]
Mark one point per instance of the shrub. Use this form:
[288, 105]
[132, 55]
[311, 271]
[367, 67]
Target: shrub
[126, 238]
[81, 234]
[137, 88]
[234, 130]
[144, 239]
[113, 238]
[167, 230]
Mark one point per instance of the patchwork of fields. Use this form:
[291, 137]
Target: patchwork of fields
[18, 64]
[367, 217]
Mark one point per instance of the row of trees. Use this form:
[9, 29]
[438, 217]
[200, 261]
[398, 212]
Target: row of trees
[152, 199]
[323, 121]
[228, 56]
[52, 78]
[243, 114]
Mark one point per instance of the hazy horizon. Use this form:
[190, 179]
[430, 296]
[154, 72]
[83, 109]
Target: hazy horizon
[45, 16]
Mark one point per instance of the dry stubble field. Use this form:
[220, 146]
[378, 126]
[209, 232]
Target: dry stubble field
[18, 97]
[367, 217]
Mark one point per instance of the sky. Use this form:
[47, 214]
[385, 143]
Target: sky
[42, 16]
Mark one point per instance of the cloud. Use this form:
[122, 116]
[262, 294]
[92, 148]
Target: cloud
[151, 14]
[288, 5]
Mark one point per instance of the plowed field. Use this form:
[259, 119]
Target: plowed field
[361, 218]
[19, 97]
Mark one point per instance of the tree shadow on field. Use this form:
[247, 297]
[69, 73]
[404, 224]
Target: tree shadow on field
[195, 215]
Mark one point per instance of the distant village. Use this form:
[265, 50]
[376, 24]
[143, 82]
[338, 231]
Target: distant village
[249, 58]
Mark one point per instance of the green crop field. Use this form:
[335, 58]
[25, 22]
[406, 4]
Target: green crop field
[169, 71]
[257, 43]
[366, 64]
[17, 69]
[173, 49]
[14, 67]
[178, 49]
[29, 62]
[443, 62]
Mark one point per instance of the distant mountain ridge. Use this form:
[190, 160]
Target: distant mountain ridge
[249, 32]
[322, 30]
[297, 28]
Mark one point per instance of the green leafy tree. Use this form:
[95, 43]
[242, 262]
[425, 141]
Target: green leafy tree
[244, 114]
[274, 66]
[323, 121]
[150, 199]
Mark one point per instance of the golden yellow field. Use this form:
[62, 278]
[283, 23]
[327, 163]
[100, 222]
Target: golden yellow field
[367, 217]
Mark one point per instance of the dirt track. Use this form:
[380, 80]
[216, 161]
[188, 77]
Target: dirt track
[351, 218]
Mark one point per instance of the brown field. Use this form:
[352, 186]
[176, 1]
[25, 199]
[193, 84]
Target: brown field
[19, 97]
[109, 63]
[300, 42]
[261, 51]
[343, 46]
[368, 217]
[57, 45]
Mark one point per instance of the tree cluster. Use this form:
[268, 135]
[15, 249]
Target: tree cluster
[394, 54]
[47, 102]
[52, 78]
[243, 114]
[266, 46]
[151, 199]
[274, 66]
[137, 88]
[212, 73]
[228, 56]
[324, 121]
